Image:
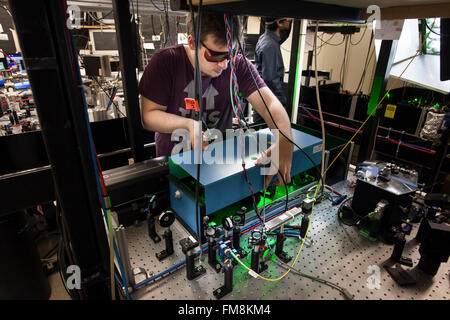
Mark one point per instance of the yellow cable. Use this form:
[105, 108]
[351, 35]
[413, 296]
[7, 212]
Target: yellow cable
[374, 109]
[309, 224]
[296, 258]
[371, 113]
[319, 105]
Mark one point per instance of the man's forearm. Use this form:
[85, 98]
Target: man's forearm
[277, 88]
[281, 118]
[164, 122]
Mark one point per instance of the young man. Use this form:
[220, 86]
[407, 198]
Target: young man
[169, 78]
[268, 58]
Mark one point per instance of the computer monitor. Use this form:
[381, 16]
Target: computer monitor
[104, 42]
[14, 59]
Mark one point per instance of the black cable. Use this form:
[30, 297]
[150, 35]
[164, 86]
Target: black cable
[332, 44]
[198, 97]
[153, 25]
[326, 42]
[100, 20]
[103, 17]
[273, 120]
[366, 64]
[342, 72]
[431, 30]
[359, 41]
[157, 6]
[109, 96]
[81, 36]
[113, 102]
[50, 252]
[344, 292]
[353, 223]
[287, 192]
[166, 15]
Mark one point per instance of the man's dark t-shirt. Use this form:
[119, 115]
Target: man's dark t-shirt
[169, 78]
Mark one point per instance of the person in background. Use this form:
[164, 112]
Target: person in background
[268, 58]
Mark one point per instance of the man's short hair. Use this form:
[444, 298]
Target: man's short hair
[214, 23]
[271, 23]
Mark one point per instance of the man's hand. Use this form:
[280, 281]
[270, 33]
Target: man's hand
[194, 131]
[284, 162]
[281, 117]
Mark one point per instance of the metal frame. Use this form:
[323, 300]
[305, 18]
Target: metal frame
[338, 254]
[296, 66]
[287, 8]
[127, 44]
[45, 43]
[384, 64]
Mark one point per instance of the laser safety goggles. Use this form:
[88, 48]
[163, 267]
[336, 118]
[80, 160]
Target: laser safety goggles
[214, 56]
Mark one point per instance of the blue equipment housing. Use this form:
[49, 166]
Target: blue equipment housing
[224, 184]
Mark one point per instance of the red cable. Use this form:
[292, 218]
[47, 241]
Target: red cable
[432, 152]
[9, 57]
[408, 146]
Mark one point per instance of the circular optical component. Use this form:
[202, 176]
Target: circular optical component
[227, 224]
[237, 219]
[166, 218]
[210, 231]
[256, 235]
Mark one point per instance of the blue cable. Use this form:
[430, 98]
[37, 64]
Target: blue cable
[118, 279]
[230, 49]
[418, 147]
[110, 102]
[96, 170]
[162, 273]
[184, 261]
[388, 136]
[295, 233]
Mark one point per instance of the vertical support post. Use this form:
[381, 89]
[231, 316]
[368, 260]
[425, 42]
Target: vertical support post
[349, 159]
[440, 156]
[53, 72]
[126, 42]
[445, 49]
[384, 64]
[296, 66]
[351, 114]
[122, 243]
[327, 160]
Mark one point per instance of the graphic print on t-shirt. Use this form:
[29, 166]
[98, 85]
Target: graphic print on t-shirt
[209, 95]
